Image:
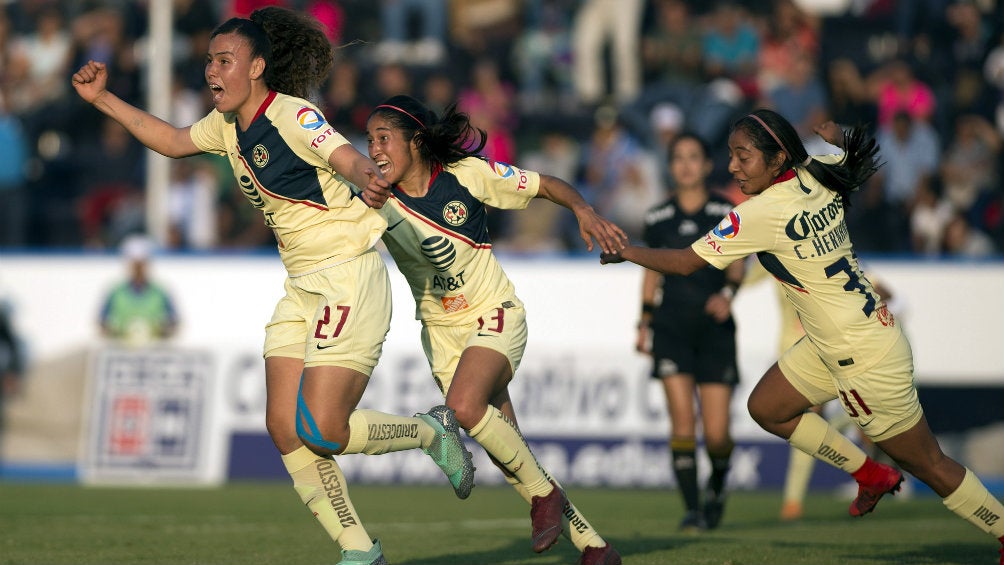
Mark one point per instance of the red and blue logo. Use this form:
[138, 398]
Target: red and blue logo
[501, 169]
[728, 228]
[310, 118]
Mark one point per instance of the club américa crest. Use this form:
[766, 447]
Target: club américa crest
[455, 213]
[259, 155]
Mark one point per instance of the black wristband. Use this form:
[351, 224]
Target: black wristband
[647, 307]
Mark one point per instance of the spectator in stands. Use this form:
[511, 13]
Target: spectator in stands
[542, 56]
[111, 173]
[619, 177]
[962, 239]
[848, 97]
[39, 63]
[972, 38]
[929, 217]
[483, 28]
[137, 311]
[13, 180]
[672, 51]
[343, 102]
[674, 64]
[397, 45]
[732, 48]
[969, 163]
[440, 91]
[910, 149]
[540, 227]
[597, 24]
[895, 89]
[799, 95]
[790, 35]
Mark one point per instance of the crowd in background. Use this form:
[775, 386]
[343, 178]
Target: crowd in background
[587, 90]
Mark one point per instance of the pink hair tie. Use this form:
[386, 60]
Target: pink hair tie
[772, 134]
[403, 111]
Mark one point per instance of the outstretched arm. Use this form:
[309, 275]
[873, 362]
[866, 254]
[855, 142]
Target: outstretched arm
[591, 225]
[90, 83]
[668, 261]
[361, 171]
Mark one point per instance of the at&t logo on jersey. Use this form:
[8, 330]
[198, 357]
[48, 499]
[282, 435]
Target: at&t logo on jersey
[455, 213]
[440, 252]
[311, 119]
[728, 228]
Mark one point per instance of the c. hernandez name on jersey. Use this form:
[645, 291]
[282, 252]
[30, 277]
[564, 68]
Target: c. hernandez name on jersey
[281, 166]
[440, 241]
[797, 229]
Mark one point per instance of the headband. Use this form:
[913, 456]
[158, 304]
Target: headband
[403, 111]
[772, 134]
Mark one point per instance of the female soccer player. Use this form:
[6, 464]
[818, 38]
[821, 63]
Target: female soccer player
[693, 336]
[331, 324]
[853, 349]
[473, 324]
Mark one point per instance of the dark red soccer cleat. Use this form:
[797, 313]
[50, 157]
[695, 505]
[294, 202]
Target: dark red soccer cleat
[605, 555]
[882, 480]
[545, 517]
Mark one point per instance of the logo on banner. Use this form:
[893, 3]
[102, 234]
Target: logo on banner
[148, 407]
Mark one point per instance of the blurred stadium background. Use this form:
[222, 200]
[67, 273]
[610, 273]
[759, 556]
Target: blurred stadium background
[190, 409]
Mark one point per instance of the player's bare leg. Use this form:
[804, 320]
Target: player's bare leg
[595, 550]
[479, 394]
[312, 472]
[917, 452]
[482, 374]
[783, 411]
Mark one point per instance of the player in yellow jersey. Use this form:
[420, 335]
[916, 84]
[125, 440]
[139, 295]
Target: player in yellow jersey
[853, 349]
[474, 327]
[317, 193]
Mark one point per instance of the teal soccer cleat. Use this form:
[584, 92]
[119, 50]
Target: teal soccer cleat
[372, 557]
[448, 450]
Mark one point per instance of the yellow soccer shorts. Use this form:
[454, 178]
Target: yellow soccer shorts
[501, 329]
[338, 316]
[881, 400]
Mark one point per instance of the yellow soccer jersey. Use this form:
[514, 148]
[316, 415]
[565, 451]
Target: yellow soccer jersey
[281, 166]
[440, 241]
[797, 229]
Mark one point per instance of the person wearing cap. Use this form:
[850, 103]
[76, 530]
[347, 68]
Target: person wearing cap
[138, 311]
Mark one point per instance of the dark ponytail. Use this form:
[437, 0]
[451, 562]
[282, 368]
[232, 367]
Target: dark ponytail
[440, 140]
[772, 134]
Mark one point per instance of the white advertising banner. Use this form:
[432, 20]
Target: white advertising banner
[582, 395]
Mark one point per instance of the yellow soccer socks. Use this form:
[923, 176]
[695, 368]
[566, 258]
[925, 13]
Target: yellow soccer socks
[815, 436]
[372, 432]
[321, 486]
[505, 444]
[977, 506]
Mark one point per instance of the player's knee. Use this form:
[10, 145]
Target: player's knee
[468, 413]
[323, 432]
[283, 433]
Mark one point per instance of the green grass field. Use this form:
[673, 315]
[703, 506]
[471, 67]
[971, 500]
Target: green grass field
[265, 523]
